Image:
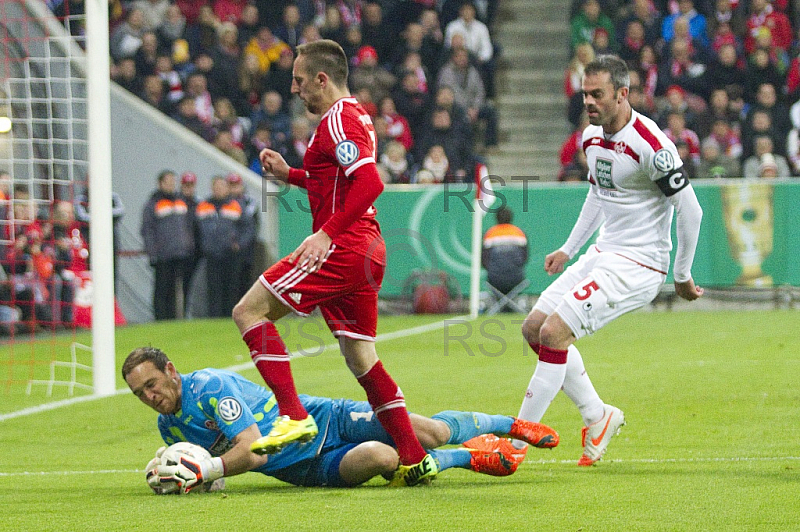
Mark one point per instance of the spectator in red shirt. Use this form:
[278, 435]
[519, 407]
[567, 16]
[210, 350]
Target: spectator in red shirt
[191, 9]
[397, 124]
[573, 145]
[764, 15]
[677, 131]
[229, 10]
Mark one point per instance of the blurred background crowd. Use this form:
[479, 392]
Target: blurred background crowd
[721, 78]
[223, 68]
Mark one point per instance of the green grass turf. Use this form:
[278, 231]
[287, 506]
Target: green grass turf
[710, 398]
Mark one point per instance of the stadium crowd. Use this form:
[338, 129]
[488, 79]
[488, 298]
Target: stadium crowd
[424, 70]
[721, 78]
[44, 260]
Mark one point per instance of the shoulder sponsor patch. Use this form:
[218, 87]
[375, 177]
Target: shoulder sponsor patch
[663, 161]
[347, 152]
[229, 409]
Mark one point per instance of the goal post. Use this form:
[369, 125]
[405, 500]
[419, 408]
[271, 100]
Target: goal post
[101, 225]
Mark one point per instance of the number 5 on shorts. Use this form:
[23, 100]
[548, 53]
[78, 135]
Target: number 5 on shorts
[586, 291]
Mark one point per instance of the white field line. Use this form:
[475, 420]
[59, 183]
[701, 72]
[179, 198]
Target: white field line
[531, 462]
[421, 329]
[671, 460]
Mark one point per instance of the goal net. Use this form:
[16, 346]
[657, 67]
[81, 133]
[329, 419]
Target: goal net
[43, 234]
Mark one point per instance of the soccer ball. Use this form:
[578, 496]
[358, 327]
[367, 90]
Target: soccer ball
[172, 456]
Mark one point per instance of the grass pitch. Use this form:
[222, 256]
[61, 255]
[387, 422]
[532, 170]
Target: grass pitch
[711, 400]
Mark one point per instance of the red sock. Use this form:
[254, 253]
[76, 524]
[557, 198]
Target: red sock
[389, 405]
[272, 360]
[552, 355]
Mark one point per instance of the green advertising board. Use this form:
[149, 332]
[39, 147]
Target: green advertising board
[745, 238]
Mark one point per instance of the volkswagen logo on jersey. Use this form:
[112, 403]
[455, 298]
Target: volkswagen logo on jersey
[663, 161]
[346, 152]
[229, 409]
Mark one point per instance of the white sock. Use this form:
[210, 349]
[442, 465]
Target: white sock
[580, 389]
[545, 383]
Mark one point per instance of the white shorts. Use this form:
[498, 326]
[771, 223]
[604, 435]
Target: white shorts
[597, 289]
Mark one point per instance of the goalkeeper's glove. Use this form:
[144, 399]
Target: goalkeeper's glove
[189, 474]
[151, 473]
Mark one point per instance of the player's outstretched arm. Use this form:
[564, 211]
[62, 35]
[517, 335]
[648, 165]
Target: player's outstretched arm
[239, 459]
[688, 215]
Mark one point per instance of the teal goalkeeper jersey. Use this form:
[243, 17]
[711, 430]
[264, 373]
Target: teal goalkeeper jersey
[216, 405]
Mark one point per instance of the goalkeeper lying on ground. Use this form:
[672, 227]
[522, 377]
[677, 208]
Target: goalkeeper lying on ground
[224, 413]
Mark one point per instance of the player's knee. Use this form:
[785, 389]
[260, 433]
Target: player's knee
[389, 460]
[434, 434]
[439, 435]
[244, 314]
[382, 457]
[555, 333]
[530, 330]
[239, 313]
[431, 433]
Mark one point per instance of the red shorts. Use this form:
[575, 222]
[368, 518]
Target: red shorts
[345, 288]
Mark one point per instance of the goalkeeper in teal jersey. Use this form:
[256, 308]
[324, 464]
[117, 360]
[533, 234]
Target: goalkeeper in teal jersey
[224, 413]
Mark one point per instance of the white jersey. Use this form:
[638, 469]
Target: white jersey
[632, 174]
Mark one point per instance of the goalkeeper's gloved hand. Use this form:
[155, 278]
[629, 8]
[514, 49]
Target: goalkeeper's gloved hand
[151, 473]
[188, 474]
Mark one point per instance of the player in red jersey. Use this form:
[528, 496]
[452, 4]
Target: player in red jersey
[339, 268]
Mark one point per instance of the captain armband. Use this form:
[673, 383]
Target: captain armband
[673, 182]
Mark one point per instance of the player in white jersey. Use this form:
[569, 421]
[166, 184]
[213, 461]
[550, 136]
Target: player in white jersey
[637, 183]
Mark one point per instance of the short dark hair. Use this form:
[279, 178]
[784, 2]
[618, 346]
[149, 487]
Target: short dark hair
[326, 56]
[504, 215]
[616, 68]
[163, 175]
[140, 355]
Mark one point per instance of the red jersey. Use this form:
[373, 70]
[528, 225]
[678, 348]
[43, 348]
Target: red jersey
[343, 143]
